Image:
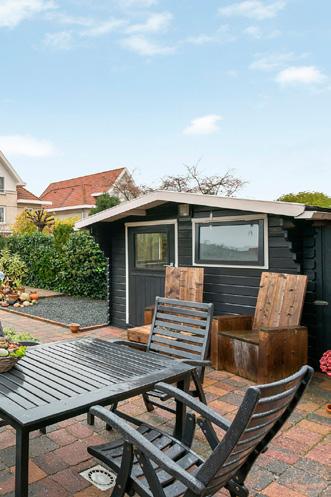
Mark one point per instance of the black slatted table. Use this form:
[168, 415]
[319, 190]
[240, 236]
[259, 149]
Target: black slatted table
[61, 380]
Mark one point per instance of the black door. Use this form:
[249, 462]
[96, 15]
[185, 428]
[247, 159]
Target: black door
[151, 248]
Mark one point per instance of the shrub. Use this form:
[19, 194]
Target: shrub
[62, 232]
[70, 262]
[83, 267]
[38, 252]
[13, 267]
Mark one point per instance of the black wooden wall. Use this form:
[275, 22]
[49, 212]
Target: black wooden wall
[294, 247]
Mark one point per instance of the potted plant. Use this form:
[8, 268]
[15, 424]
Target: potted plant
[34, 295]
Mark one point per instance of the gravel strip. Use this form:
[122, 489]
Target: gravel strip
[66, 310]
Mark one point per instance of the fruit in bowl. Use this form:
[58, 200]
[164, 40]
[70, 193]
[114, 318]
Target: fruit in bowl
[10, 354]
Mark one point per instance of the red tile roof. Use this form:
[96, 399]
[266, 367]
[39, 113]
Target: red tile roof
[78, 191]
[24, 194]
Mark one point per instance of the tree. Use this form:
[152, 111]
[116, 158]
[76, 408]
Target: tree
[194, 182]
[103, 202]
[40, 218]
[317, 199]
[127, 189]
[23, 225]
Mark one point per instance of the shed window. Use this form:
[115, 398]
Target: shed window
[230, 243]
[151, 250]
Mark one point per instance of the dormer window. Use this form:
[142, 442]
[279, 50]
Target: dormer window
[2, 184]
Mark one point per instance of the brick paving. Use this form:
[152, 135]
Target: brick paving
[297, 464]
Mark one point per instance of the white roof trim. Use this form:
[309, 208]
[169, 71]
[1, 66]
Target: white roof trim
[27, 201]
[156, 198]
[71, 208]
[315, 216]
[10, 168]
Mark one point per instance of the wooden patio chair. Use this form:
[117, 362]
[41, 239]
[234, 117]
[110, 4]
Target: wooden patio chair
[271, 344]
[180, 329]
[153, 463]
[181, 283]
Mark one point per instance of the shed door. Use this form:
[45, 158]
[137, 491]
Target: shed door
[151, 249]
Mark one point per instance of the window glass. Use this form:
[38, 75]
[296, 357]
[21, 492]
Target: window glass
[2, 214]
[151, 250]
[238, 242]
[2, 184]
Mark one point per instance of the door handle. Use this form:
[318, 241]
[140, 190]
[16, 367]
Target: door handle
[321, 303]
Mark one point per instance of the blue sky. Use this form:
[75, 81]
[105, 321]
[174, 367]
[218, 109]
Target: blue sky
[89, 85]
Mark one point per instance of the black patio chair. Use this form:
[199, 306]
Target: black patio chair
[180, 329]
[153, 463]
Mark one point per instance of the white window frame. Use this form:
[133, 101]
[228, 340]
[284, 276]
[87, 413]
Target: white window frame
[4, 214]
[220, 219]
[134, 225]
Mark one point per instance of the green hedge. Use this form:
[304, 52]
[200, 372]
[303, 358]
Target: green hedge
[75, 267]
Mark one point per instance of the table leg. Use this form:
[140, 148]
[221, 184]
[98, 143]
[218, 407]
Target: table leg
[22, 463]
[181, 408]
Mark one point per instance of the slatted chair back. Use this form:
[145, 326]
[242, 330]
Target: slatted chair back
[280, 300]
[181, 329]
[184, 283]
[262, 413]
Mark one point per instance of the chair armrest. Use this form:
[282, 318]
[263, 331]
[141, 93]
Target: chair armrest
[133, 345]
[277, 328]
[230, 323]
[132, 436]
[195, 362]
[195, 405]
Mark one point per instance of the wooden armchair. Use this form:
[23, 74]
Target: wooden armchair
[152, 463]
[271, 344]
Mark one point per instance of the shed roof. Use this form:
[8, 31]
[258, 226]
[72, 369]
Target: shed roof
[138, 207]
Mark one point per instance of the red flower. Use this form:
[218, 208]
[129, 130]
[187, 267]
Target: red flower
[325, 362]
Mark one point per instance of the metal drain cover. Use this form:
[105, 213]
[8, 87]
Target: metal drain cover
[100, 477]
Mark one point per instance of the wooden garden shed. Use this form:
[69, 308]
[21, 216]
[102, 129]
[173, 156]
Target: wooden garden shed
[233, 239]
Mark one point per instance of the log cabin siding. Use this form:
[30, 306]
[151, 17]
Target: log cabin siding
[232, 290]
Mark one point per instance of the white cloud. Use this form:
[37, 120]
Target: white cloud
[253, 9]
[12, 12]
[63, 18]
[258, 33]
[137, 3]
[200, 39]
[307, 75]
[142, 46]
[104, 28]
[273, 61]
[27, 146]
[204, 125]
[154, 23]
[63, 40]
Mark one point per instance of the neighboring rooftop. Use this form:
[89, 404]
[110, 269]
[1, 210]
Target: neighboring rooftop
[24, 194]
[81, 191]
